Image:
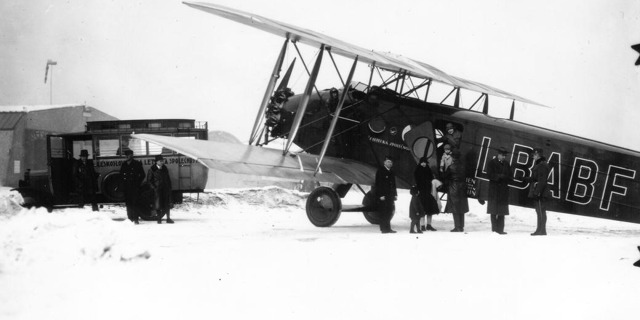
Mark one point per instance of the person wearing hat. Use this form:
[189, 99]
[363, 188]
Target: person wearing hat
[423, 177]
[160, 182]
[131, 177]
[539, 190]
[500, 174]
[84, 176]
[386, 194]
[457, 202]
[451, 136]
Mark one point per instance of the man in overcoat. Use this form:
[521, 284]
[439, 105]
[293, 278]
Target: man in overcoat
[131, 177]
[160, 182]
[500, 174]
[539, 190]
[386, 194]
[84, 176]
[457, 202]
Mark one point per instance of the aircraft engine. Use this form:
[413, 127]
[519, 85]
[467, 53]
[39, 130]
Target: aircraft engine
[276, 117]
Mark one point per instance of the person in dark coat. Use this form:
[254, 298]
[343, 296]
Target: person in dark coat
[386, 194]
[131, 177]
[160, 182]
[84, 175]
[416, 210]
[539, 190]
[423, 176]
[452, 136]
[457, 202]
[500, 174]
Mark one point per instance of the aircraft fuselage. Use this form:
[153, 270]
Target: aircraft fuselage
[587, 177]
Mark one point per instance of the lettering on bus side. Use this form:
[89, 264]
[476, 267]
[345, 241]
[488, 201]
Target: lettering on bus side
[583, 178]
[145, 161]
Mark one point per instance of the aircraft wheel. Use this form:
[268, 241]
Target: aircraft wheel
[323, 207]
[373, 216]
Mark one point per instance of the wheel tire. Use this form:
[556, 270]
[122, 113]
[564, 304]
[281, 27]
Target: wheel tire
[368, 201]
[323, 207]
[145, 203]
[111, 187]
[177, 197]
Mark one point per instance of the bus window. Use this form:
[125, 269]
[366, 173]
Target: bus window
[82, 145]
[108, 146]
[57, 147]
[139, 147]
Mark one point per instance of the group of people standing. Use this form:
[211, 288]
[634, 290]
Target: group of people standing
[132, 178]
[425, 202]
[500, 175]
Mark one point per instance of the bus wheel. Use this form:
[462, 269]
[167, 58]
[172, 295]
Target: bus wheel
[323, 207]
[145, 203]
[176, 196]
[111, 187]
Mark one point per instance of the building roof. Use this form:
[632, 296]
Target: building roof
[8, 120]
[36, 108]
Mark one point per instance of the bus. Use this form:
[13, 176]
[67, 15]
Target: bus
[106, 142]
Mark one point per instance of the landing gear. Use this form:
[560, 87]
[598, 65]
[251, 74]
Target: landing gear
[323, 207]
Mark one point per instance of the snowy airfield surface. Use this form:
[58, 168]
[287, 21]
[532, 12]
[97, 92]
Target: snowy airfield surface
[252, 254]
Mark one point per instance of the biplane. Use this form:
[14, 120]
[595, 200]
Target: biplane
[345, 133]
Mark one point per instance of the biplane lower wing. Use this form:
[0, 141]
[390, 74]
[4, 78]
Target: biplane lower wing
[259, 161]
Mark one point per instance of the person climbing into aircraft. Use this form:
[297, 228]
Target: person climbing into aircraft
[452, 136]
[387, 194]
[160, 182]
[539, 190]
[457, 202]
[499, 171]
[446, 160]
[423, 178]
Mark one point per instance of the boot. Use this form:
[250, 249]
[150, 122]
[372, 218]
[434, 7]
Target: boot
[169, 220]
[430, 228]
[423, 228]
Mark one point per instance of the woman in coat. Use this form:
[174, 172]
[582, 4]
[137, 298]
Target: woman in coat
[160, 182]
[423, 177]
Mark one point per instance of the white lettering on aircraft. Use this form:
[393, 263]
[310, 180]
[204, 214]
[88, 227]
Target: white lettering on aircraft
[610, 186]
[582, 181]
[387, 143]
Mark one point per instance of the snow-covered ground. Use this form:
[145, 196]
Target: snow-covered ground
[252, 254]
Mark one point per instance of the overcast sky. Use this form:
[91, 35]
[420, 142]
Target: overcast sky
[162, 59]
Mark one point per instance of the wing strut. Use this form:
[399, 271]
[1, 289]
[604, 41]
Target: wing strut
[373, 68]
[513, 107]
[485, 108]
[336, 115]
[302, 108]
[267, 95]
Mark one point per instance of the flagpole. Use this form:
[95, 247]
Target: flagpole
[46, 73]
[51, 88]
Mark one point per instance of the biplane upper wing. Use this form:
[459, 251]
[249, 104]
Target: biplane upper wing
[385, 60]
[252, 160]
